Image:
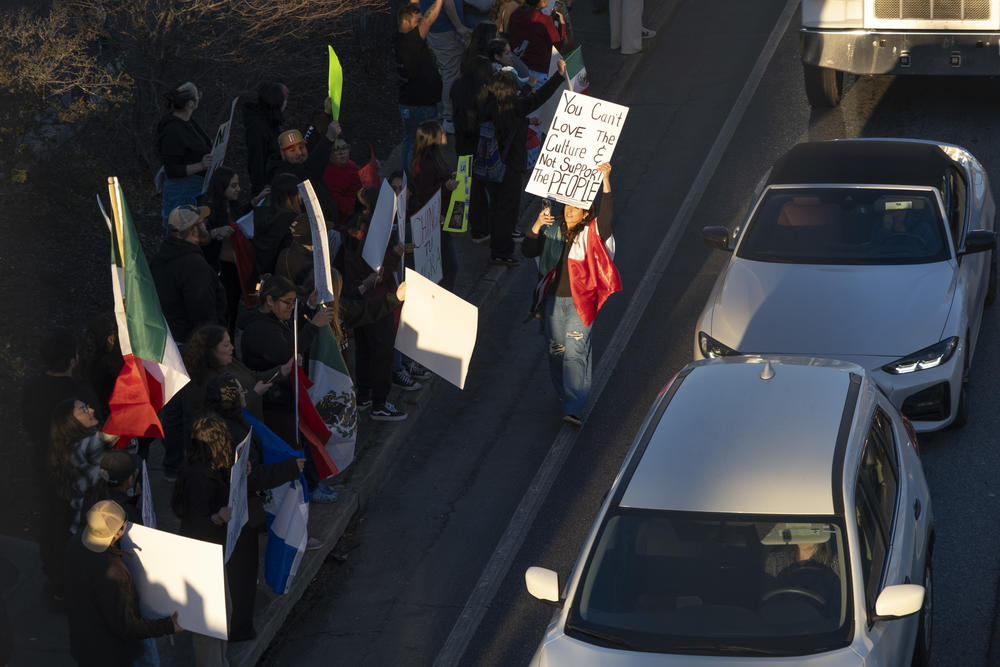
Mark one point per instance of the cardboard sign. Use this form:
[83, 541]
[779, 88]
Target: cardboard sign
[460, 196]
[174, 573]
[380, 227]
[582, 136]
[219, 147]
[238, 495]
[425, 226]
[335, 83]
[437, 329]
[323, 282]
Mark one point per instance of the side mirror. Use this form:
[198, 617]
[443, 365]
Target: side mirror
[543, 584]
[979, 240]
[716, 237]
[898, 601]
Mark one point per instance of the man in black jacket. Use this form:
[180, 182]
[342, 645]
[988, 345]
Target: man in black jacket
[190, 291]
[105, 628]
[308, 160]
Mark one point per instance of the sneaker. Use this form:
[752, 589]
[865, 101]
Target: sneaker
[312, 544]
[364, 405]
[448, 126]
[572, 420]
[323, 494]
[517, 235]
[403, 380]
[387, 412]
[503, 261]
[479, 239]
[416, 371]
[648, 33]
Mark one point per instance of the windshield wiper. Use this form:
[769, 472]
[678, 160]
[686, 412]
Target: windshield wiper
[610, 639]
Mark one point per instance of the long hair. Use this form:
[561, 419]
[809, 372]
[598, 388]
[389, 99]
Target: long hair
[496, 101]
[210, 443]
[197, 352]
[428, 156]
[484, 33]
[223, 210]
[64, 432]
[285, 193]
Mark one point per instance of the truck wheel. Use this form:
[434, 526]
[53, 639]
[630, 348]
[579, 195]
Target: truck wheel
[824, 86]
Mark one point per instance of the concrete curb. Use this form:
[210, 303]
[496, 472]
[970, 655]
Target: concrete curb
[378, 447]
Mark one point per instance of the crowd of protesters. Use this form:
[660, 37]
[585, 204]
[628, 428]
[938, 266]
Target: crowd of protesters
[240, 306]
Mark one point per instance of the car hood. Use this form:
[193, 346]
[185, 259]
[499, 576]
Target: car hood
[890, 311]
[564, 651]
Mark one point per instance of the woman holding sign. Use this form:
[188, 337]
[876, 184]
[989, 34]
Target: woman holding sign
[578, 275]
[508, 112]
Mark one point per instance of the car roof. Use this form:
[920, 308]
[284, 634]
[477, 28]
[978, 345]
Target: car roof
[872, 161]
[729, 441]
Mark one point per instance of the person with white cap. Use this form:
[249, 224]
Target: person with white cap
[105, 628]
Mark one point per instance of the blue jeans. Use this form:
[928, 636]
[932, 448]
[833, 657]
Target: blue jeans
[150, 656]
[180, 191]
[569, 353]
[412, 118]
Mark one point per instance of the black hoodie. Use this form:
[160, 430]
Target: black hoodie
[262, 143]
[190, 291]
[180, 143]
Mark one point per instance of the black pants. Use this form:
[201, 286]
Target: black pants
[505, 206]
[373, 358]
[479, 224]
[57, 517]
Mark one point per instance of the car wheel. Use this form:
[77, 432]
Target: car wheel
[991, 286]
[922, 651]
[824, 86]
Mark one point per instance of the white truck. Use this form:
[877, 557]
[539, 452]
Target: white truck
[960, 37]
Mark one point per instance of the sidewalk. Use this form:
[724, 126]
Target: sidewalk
[41, 638]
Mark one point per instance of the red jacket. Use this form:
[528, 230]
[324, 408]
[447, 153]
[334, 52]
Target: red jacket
[541, 34]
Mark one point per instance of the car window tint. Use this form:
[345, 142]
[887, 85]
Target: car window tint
[845, 225]
[872, 545]
[878, 474]
[956, 205]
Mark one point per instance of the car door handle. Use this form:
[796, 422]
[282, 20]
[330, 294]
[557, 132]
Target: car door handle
[916, 508]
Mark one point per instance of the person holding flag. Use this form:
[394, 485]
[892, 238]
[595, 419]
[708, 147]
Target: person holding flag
[577, 276]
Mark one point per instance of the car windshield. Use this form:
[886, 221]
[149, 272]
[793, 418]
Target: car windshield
[850, 225]
[682, 582]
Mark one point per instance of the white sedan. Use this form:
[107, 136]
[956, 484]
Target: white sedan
[770, 512]
[877, 251]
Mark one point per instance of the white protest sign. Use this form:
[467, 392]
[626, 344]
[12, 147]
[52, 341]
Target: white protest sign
[437, 329]
[238, 495]
[425, 225]
[321, 244]
[401, 204]
[219, 147]
[148, 513]
[380, 227]
[583, 135]
[174, 573]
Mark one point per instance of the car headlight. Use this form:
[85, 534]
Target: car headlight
[711, 348]
[929, 357]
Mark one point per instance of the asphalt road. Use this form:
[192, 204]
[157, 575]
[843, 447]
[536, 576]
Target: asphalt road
[426, 539]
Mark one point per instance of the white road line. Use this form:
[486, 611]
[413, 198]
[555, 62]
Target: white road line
[524, 516]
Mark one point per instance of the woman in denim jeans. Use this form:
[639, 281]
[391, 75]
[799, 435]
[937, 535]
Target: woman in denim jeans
[185, 149]
[578, 275]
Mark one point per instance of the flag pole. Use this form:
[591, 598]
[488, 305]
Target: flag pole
[295, 367]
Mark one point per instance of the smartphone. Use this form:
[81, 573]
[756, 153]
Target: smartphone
[274, 377]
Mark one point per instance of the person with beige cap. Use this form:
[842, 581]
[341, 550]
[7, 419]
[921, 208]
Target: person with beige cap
[105, 628]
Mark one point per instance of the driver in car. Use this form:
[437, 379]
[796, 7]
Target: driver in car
[904, 226]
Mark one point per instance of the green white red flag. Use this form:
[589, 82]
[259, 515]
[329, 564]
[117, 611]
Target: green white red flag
[332, 392]
[153, 372]
[576, 72]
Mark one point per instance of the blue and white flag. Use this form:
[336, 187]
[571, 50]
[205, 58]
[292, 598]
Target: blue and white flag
[287, 513]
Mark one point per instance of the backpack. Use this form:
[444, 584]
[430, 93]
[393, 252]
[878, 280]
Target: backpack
[488, 162]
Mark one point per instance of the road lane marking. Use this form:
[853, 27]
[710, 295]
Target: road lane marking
[524, 516]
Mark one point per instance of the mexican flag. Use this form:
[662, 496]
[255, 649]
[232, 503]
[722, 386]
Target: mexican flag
[593, 276]
[332, 392]
[153, 370]
[576, 72]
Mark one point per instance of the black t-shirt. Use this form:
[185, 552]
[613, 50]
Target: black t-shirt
[419, 77]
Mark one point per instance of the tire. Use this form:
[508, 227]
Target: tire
[824, 86]
[925, 631]
[991, 286]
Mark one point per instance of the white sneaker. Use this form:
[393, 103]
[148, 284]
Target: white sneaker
[648, 33]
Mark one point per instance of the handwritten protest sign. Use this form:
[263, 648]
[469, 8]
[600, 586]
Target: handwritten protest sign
[583, 135]
[174, 573]
[460, 196]
[219, 147]
[335, 83]
[321, 244]
[437, 329]
[380, 227]
[425, 225]
[238, 495]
